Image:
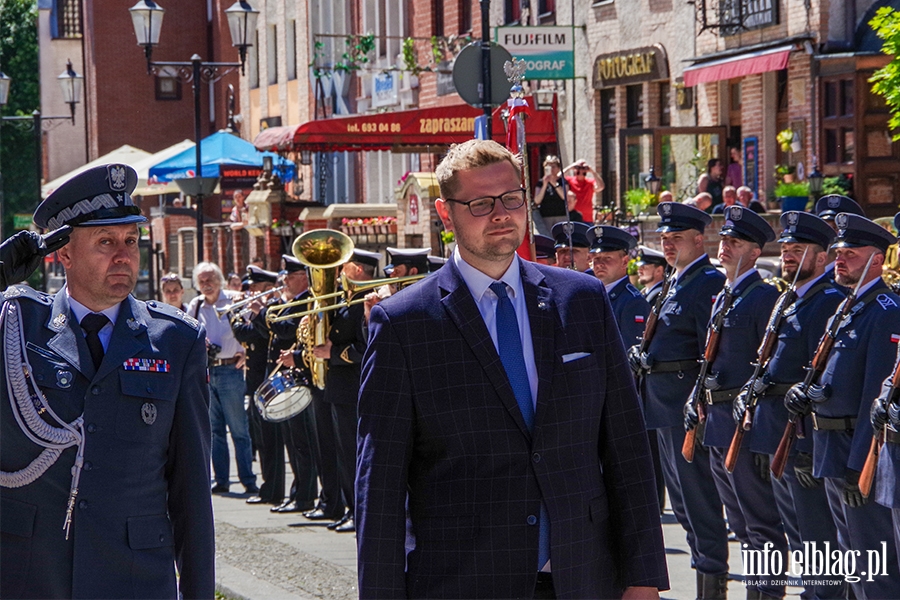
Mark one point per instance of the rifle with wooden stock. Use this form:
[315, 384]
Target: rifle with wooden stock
[867, 476]
[814, 371]
[653, 317]
[709, 356]
[763, 356]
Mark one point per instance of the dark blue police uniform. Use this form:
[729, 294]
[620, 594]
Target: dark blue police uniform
[748, 498]
[136, 430]
[862, 358]
[802, 504]
[674, 351]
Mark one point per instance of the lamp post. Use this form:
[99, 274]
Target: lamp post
[815, 180]
[147, 16]
[653, 183]
[70, 84]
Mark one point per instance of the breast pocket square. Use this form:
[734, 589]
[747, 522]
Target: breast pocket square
[566, 358]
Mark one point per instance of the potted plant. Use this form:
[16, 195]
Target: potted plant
[793, 196]
[784, 173]
[638, 200]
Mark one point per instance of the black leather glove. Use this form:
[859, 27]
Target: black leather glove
[691, 418]
[797, 401]
[803, 469]
[878, 413]
[894, 416]
[739, 406]
[640, 362]
[761, 461]
[851, 495]
[21, 254]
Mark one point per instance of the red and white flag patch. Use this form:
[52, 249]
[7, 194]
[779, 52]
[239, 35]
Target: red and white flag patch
[895, 338]
[638, 318]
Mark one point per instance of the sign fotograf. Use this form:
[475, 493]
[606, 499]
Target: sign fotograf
[548, 52]
[631, 66]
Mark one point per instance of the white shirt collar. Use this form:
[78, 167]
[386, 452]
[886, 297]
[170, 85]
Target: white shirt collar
[738, 281]
[614, 283]
[80, 311]
[685, 270]
[801, 291]
[479, 283]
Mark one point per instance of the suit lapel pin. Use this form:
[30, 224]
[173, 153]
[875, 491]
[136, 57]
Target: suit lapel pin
[148, 413]
[64, 378]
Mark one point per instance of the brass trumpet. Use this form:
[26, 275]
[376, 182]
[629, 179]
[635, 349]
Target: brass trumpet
[350, 288]
[242, 303]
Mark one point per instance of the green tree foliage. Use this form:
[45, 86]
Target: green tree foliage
[19, 60]
[886, 81]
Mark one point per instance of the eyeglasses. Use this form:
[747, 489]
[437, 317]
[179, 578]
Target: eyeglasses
[581, 171]
[480, 207]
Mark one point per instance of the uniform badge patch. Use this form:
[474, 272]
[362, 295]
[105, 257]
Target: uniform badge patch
[885, 301]
[64, 378]
[638, 318]
[793, 217]
[117, 179]
[895, 338]
[834, 202]
[59, 321]
[841, 220]
[152, 365]
[737, 212]
[665, 209]
[133, 325]
[148, 413]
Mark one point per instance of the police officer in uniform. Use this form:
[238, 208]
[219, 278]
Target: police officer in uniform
[651, 265]
[800, 497]
[544, 250]
[827, 207]
[270, 443]
[579, 250]
[840, 402]
[746, 492]
[298, 432]
[609, 261]
[112, 419]
[669, 369]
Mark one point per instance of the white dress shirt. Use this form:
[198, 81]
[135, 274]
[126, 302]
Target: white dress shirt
[218, 329]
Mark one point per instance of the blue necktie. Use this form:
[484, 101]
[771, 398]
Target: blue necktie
[509, 346]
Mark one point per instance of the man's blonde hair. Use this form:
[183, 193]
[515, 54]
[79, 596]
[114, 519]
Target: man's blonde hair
[471, 155]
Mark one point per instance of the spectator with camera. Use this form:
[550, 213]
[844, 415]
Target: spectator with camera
[226, 379]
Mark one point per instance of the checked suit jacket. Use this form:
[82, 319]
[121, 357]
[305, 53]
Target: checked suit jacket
[449, 479]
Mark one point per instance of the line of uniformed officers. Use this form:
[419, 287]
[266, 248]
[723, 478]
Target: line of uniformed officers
[817, 504]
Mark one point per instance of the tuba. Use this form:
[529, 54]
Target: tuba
[322, 251]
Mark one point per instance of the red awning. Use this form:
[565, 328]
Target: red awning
[403, 130]
[773, 59]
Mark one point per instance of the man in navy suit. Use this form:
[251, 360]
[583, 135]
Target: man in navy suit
[502, 451]
[863, 355]
[108, 429]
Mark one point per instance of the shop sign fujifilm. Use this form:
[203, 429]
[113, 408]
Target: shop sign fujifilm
[548, 52]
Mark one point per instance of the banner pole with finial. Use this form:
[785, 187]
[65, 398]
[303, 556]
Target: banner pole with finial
[516, 110]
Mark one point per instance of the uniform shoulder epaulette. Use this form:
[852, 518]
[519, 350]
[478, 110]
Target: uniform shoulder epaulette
[171, 311]
[634, 291]
[15, 292]
[710, 270]
[831, 290]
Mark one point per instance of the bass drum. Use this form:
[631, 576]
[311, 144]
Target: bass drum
[283, 395]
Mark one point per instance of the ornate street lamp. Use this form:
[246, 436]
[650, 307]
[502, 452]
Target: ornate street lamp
[653, 183]
[70, 83]
[815, 180]
[146, 16]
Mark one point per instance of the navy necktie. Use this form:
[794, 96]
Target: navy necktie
[92, 323]
[509, 346]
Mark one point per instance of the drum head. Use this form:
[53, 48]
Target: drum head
[282, 396]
